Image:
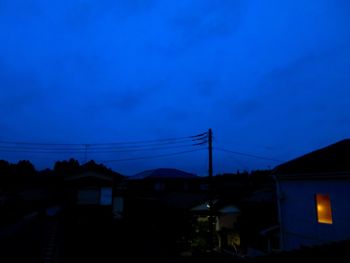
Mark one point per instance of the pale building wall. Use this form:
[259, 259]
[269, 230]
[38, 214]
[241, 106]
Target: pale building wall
[298, 212]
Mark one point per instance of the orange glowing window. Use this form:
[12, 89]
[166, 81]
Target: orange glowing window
[323, 208]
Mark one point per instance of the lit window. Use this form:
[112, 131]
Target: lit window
[323, 208]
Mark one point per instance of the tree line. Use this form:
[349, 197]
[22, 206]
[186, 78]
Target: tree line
[61, 168]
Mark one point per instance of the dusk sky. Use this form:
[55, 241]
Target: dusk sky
[271, 78]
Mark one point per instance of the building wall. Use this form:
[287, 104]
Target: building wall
[118, 207]
[299, 216]
[226, 221]
[95, 196]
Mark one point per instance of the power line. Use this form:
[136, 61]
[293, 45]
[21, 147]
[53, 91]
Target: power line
[83, 147]
[247, 154]
[188, 143]
[239, 163]
[118, 147]
[153, 156]
[169, 140]
[38, 151]
[95, 151]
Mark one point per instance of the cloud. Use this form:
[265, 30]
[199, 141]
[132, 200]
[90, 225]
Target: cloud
[207, 87]
[19, 90]
[99, 70]
[203, 19]
[246, 108]
[305, 101]
[316, 74]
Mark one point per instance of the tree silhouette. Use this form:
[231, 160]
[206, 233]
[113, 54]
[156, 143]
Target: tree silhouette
[24, 167]
[5, 168]
[67, 168]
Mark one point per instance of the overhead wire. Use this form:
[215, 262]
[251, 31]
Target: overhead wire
[110, 150]
[134, 146]
[83, 147]
[153, 156]
[169, 140]
[185, 142]
[247, 154]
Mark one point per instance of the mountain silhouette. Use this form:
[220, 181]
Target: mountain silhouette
[162, 173]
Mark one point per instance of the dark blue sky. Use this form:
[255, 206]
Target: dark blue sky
[271, 78]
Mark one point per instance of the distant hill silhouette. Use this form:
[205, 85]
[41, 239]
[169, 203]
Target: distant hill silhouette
[162, 173]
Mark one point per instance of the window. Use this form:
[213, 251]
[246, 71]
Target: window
[106, 196]
[88, 196]
[323, 208]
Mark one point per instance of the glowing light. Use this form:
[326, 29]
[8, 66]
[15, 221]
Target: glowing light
[324, 210]
[320, 208]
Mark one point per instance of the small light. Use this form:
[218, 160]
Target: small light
[324, 209]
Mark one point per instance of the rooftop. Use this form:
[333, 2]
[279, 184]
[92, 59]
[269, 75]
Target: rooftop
[334, 158]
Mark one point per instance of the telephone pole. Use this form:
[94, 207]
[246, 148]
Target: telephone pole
[211, 190]
[210, 150]
[86, 152]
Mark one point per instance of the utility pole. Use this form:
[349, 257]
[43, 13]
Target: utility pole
[210, 150]
[211, 190]
[86, 152]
